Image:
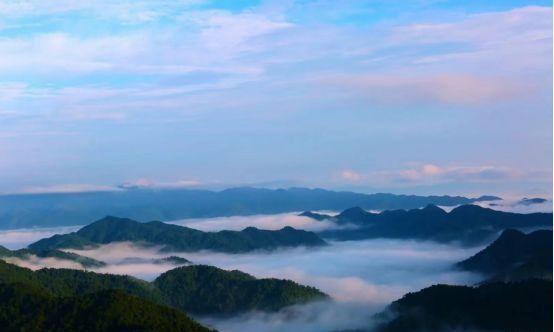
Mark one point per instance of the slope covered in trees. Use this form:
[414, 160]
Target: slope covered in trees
[178, 238]
[206, 289]
[520, 306]
[26, 308]
[197, 289]
[467, 223]
[514, 256]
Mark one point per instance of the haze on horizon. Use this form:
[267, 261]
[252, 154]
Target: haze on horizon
[431, 97]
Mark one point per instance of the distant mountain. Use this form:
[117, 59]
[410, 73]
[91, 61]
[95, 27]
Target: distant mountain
[513, 256]
[521, 306]
[316, 216]
[196, 289]
[19, 211]
[178, 238]
[27, 254]
[24, 308]
[173, 260]
[202, 289]
[531, 201]
[466, 223]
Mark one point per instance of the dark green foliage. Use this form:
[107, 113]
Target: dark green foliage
[25, 308]
[512, 249]
[206, 289]
[521, 306]
[198, 289]
[467, 224]
[65, 282]
[18, 211]
[179, 238]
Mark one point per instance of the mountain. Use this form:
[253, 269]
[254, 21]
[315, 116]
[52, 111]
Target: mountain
[316, 216]
[521, 306]
[62, 209]
[531, 201]
[24, 308]
[27, 254]
[178, 238]
[196, 289]
[514, 255]
[466, 223]
[202, 289]
[66, 282]
[538, 266]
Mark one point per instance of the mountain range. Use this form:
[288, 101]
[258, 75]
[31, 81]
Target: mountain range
[62, 209]
[177, 238]
[468, 224]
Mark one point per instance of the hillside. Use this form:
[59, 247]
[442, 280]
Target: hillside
[521, 306]
[514, 255]
[24, 308]
[205, 289]
[178, 238]
[196, 289]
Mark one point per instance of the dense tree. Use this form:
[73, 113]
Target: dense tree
[27, 308]
[206, 289]
[520, 306]
[178, 238]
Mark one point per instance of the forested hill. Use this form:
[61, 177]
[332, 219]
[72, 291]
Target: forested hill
[514, 256]
[24, 308]
[18, 211]
[467, 223]
[520, 306]
[195, 289]
[178, 238]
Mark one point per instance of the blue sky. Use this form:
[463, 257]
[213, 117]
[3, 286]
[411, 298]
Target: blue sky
[442, 97]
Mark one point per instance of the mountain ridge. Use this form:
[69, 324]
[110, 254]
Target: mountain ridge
[177, 238]
[68, 209]
[469, 224]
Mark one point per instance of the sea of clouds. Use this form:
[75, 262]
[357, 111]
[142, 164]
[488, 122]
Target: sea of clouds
[362, 277]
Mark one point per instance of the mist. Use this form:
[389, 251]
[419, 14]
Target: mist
[271, 222]
[20, 238]
[362, 277]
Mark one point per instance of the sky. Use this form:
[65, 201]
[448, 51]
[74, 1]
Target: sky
[421, 96]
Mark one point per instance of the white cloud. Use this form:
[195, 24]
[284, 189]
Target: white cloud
[20, 238]
[419, 173]
[67, 188]
[147, 183]
[351, 176]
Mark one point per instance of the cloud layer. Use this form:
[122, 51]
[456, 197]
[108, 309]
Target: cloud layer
[288, 91]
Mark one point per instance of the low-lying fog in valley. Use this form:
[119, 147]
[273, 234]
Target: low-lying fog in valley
[362, 277]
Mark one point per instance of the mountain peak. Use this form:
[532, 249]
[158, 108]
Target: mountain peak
[354, 211]
[433, 208]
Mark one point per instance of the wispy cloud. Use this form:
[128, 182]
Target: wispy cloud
[194, 76]
[420, 173]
